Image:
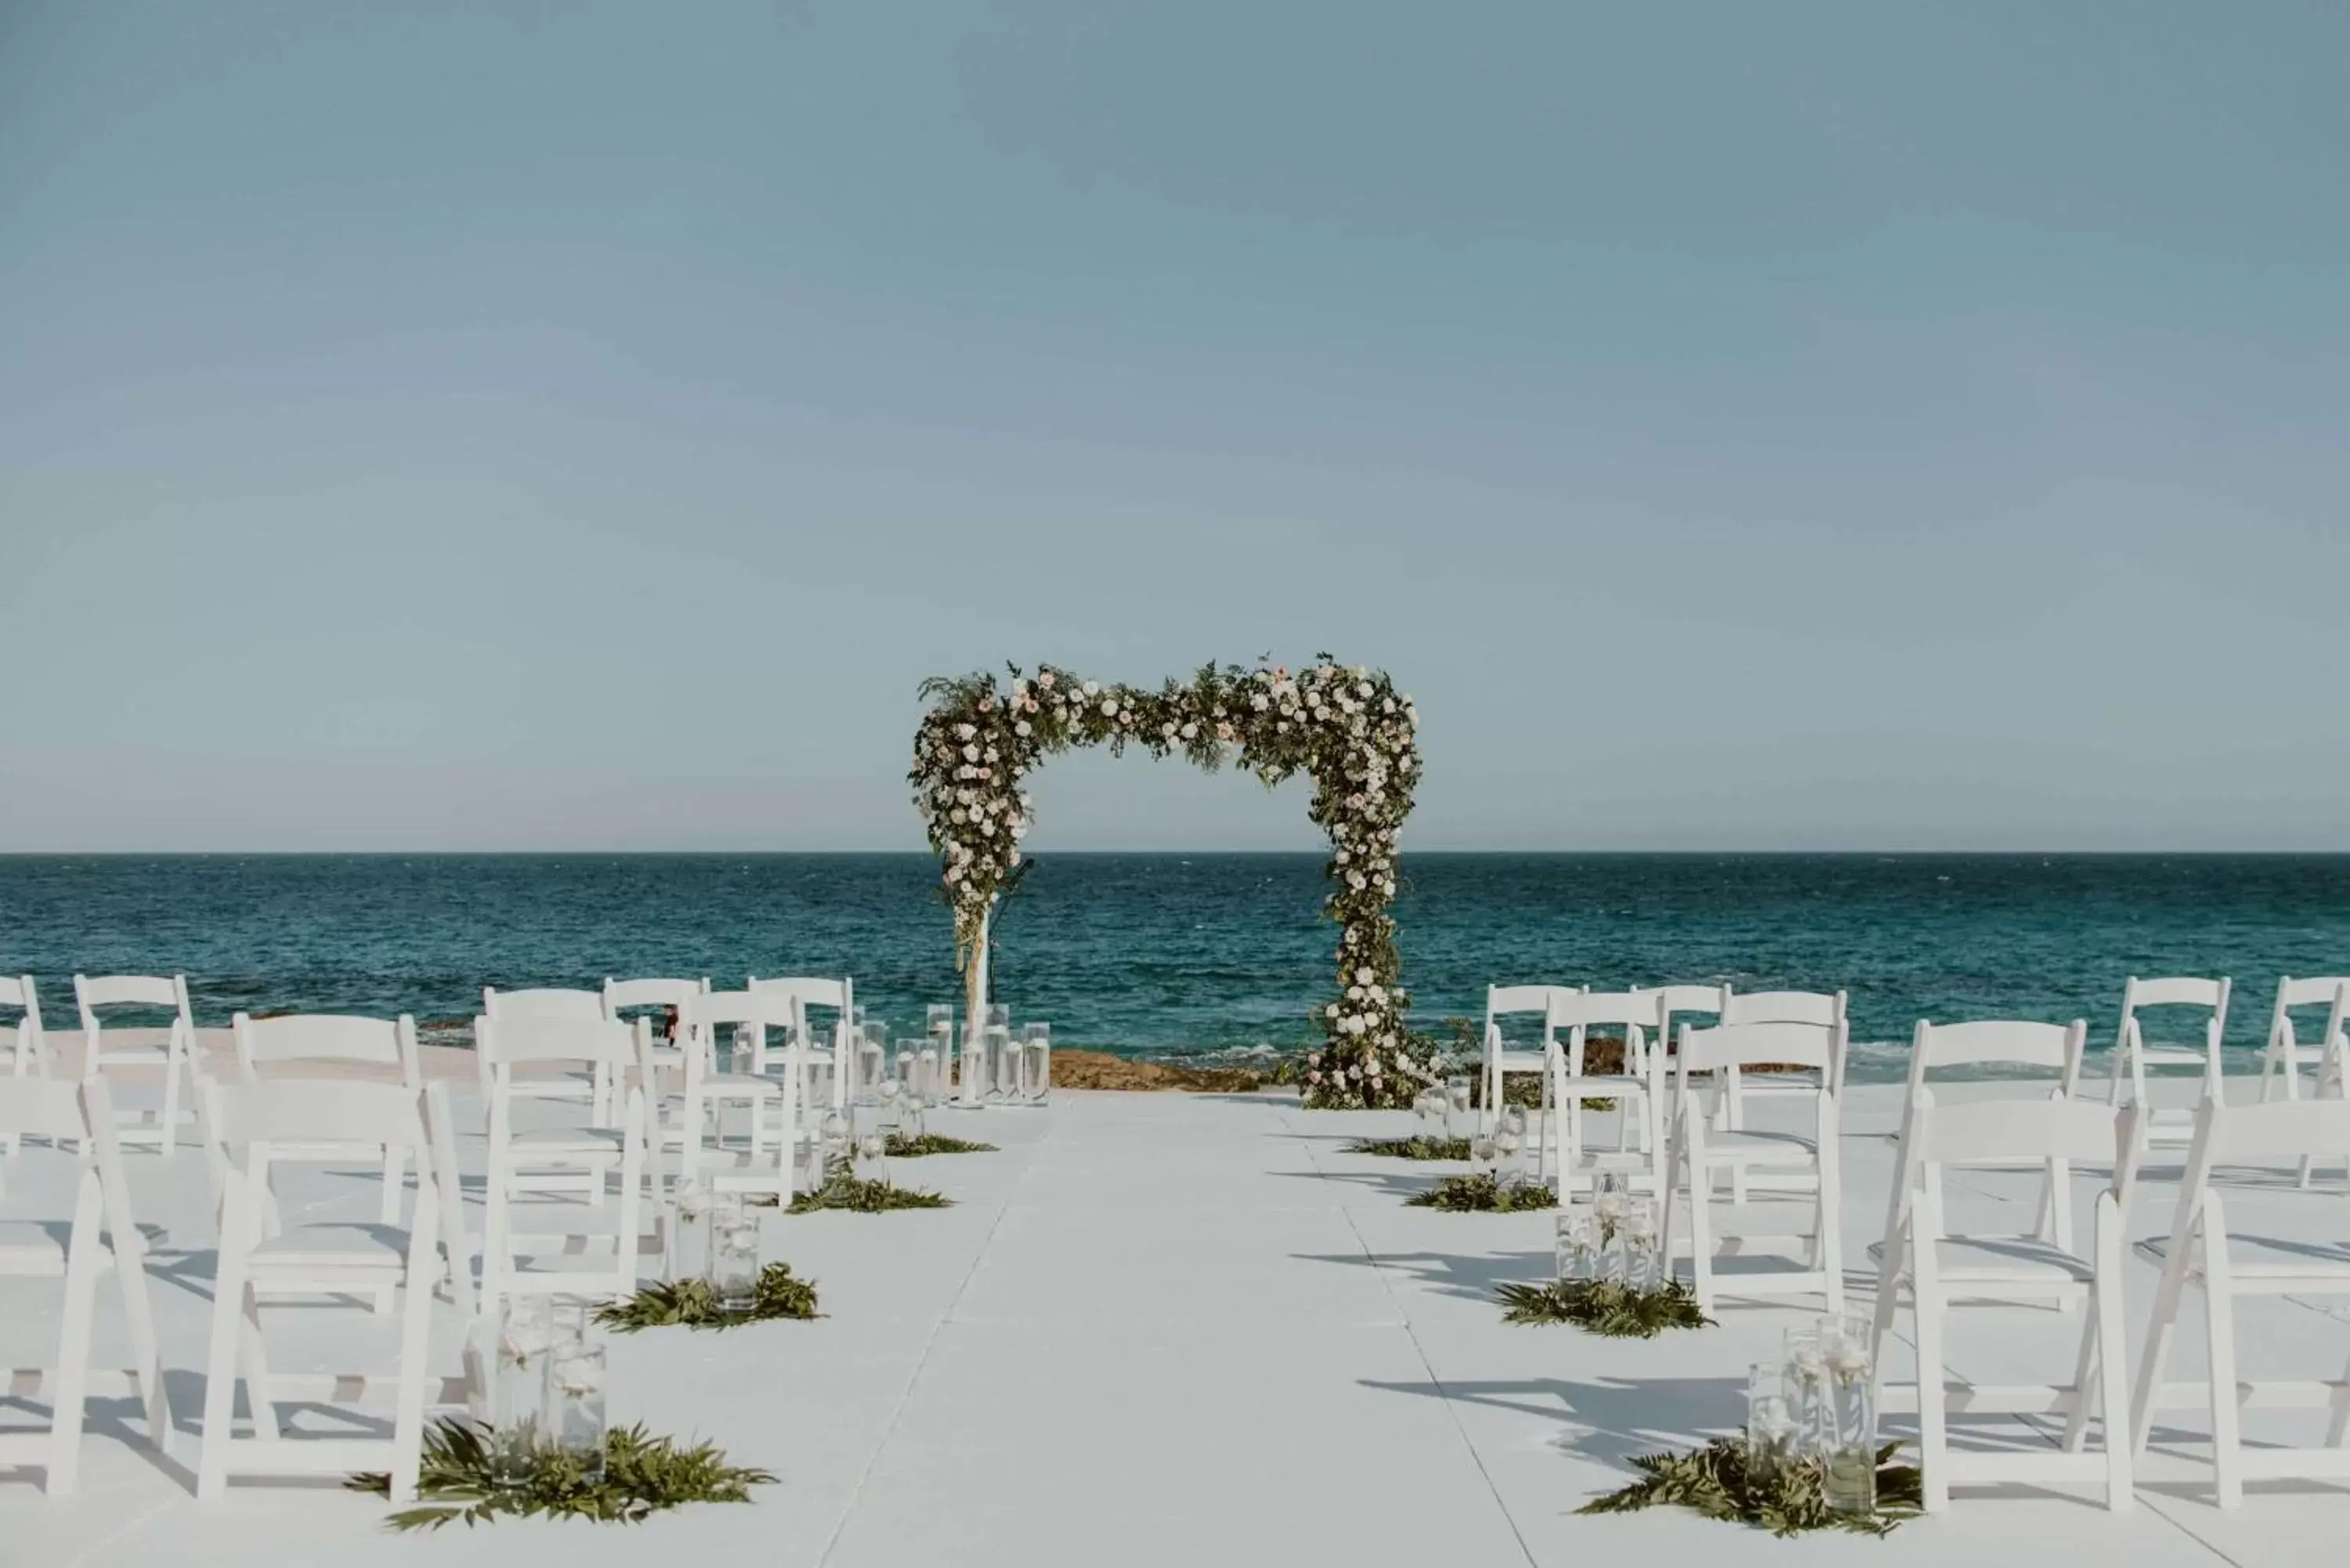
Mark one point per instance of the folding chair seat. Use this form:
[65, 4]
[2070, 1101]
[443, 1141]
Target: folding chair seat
[1939, 1270]
[2204, 1254]
[101, 1238]
[174, 1053]
[256, 1121]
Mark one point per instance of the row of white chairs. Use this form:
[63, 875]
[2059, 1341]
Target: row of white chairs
[1938, 1270]
[555, 1219]
[1688, 1148]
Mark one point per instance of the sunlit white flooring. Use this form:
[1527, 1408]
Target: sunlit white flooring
[1182, 1330]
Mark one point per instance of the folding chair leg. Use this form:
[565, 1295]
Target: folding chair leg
[83, 1261]
[1933, 1429]
[2120, 1488]
[2156, 1356]
[229, 1297]
[2220, 1331]
[2337, 1419]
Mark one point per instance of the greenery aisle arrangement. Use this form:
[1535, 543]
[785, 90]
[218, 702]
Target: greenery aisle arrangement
[1349, 729]
[900, 1146]
[694, 1303]
[1605, 1307]
[1788, 1499]
[1412, 1148]
[643, 1475]
[1482, 1192]
[845, 1189]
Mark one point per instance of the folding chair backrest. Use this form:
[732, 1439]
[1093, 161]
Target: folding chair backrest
[1729, 1045]
[43, 1108]
[508, 1042]
[711, 1008]
[619, 994]
[2177, 990]
[330, 1037]
[1981, 1132]
[542, 1002]
[94, 990]
[1821, 1008]
[1607, 1009]
[1502, 1000]
[2006, 1042]
[2330, 991]
[1685, 998]
[806, 992]
[320, 1111]
[2267, 1134]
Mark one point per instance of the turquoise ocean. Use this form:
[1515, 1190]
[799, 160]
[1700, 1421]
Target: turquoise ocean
[1170, 954]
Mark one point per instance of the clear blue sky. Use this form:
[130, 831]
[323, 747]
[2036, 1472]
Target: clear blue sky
[480, 425]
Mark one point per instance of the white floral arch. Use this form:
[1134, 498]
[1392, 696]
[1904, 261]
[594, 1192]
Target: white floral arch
[1348, 727]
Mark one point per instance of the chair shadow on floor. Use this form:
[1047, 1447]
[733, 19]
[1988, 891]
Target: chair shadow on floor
[1610, 1422]
[1396, 1183]
[1470, 1276]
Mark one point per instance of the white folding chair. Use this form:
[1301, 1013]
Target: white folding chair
[551, 1004]
[1804, 1169]
[255, 1119]
[60, 1112]
[624, 998]
[2203, 1254]
[2133, 1056]
[1680, 999]
[548, 1163]
[1501, 1061]
[139, 1047]
[2280, 1057]
[772, 1104]
[804, 991]
[299, 1045]
[29, 1053]
[1941, 1269]
[1821, 1009]
[1639, 1127]
[2006, 1043]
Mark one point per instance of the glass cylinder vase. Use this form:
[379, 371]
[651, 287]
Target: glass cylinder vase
[517, 1402]
[735, 1257]
[1577, 1248]
[575, 1406]
[1037, 1062]
[1848, 1419]
[1771, 1430]
[689, 1230]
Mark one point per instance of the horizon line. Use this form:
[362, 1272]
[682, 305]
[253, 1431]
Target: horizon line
[1267, 854]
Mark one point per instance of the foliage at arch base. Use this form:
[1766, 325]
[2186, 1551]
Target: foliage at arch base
[1347, 728]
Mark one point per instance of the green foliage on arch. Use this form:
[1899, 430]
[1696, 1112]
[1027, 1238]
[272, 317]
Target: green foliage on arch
[1348, 729]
